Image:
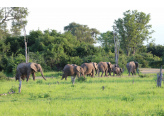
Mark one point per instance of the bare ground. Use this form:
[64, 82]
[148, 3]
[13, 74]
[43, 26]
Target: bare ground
[150, 70]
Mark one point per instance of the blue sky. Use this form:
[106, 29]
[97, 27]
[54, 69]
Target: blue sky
[99, 14]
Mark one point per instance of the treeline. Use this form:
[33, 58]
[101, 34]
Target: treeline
[53, 50]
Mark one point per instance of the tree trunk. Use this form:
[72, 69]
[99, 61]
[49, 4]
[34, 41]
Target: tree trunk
[25, 44]
[127, 52]
[159, 77]
[134, 50]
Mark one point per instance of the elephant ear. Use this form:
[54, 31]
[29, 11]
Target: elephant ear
[109, 64]
[95, 65]
[136, 63]
[34, 66]
[78, 68]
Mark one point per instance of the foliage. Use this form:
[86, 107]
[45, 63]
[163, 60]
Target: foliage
[2, 76]
[17, 15]
[107, 40]
[53, 50]
[155, 49]
[82, 32]
[133, 29]
[82, 79]
[144, 59]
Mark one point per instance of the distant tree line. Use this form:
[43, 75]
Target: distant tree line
[53, 49]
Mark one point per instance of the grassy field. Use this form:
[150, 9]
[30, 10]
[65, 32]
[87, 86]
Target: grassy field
[121, 96]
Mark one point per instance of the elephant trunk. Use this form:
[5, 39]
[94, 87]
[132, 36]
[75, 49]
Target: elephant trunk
[137, 71]
[42, 75]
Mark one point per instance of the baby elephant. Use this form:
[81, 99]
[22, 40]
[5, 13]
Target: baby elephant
[117, 71]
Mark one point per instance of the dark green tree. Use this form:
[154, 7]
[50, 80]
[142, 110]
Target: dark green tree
[83, 32]
[106, 40]
[157, 50]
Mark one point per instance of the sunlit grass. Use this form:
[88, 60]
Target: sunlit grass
[121, 96]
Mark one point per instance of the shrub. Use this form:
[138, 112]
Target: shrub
[13, 89]
[82, 79]
[39, 82]
[2, 76]
[46, 95]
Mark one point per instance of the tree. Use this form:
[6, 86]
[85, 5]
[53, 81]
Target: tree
[107, 40]
[116, 46]
[82, 32]
[134, 30]
[155, 49]
[17, 15]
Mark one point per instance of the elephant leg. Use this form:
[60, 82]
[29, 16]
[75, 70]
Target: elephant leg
[62, 77]
[106, 74]
[129, 72]
[28, 76]
[65, 77]
[98, 73]
[78, 75]
[20, 84]
[33, 75]
[102, 73]
[93, 73]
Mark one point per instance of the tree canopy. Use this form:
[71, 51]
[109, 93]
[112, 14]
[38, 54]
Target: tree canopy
[133, 29]
[83, 32]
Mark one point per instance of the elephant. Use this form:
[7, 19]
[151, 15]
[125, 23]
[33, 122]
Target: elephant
[131, 67]
[23, 77]
[24, 70]
[89, 68]
[117, 71]
[112, 68]
[72, 70]
[103, 67]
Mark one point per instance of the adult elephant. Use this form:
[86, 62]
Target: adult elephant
[103, 67]
[72, 70]
[89, 68]
[24, 70]
[117, 71]
[131, 67]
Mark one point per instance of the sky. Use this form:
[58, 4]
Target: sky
[99, 14]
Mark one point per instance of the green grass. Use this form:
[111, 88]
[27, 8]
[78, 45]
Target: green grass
[56, 97]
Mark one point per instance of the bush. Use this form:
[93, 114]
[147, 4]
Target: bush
[39, 82]
[2, 76]
[82, 79]
[13, 89]
[46, 95]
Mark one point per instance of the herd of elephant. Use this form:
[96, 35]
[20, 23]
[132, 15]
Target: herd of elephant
[24, 70]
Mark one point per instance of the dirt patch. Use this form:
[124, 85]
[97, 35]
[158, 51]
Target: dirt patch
[150, 70]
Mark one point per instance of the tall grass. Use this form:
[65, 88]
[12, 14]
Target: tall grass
[99, 96]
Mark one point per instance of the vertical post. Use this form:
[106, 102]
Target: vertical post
[25, 44]
[20, 84]
[116, 47]
[28, 55]
[159, 77]
[73, 79]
